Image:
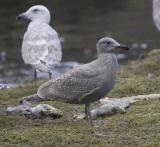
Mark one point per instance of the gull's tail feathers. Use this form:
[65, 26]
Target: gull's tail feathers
[33, 97]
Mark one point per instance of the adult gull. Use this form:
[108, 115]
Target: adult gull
[86, 83]
[41, 46]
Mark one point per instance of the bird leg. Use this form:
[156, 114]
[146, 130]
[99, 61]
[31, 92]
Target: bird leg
[35, 74]
[34, 79]
[88, 113]
[50, 75]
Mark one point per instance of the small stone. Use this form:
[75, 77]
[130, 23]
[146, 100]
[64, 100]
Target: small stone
[79, 117]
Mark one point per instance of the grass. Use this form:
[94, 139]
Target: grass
[147, 65]
[140, 126]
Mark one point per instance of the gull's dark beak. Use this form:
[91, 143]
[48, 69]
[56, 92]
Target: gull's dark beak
[20, 16]
[122, 46]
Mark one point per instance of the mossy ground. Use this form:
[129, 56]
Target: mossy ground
[140, 126]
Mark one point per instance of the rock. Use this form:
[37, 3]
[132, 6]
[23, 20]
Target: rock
[44, 110]
[40, 111]
[19, 110]
[116, 105]
[3, 86]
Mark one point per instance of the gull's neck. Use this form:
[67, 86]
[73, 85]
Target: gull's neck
[104, 56]
[108, 59]
[36, 23]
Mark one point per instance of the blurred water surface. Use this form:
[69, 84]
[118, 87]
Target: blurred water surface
[79, 24]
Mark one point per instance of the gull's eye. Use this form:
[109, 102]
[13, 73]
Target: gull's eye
[108, 42]
[35, 10]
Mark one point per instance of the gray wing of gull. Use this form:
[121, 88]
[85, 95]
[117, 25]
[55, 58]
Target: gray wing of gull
[41, 45]
[71, 86]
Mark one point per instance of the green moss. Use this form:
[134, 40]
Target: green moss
[154, 52]
[148, 65]
[135, 85]
[140, 126]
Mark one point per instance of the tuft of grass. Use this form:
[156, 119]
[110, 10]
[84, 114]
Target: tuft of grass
[148, 65]
[130, 84]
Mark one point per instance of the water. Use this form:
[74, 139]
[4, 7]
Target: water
[80, 24]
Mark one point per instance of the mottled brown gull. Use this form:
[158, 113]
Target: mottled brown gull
[86, 83]
[41, 46]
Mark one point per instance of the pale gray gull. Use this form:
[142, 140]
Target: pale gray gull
[41, 46]
[86, 83]
[156, 13]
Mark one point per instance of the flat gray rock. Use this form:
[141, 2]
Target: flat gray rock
[116, 105]
[40, 111]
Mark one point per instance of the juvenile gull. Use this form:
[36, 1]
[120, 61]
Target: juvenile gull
[86, 83]
[41, 46]
[156, 13]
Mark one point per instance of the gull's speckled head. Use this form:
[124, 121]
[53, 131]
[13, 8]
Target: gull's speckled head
[36, 13]
[108, 44]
